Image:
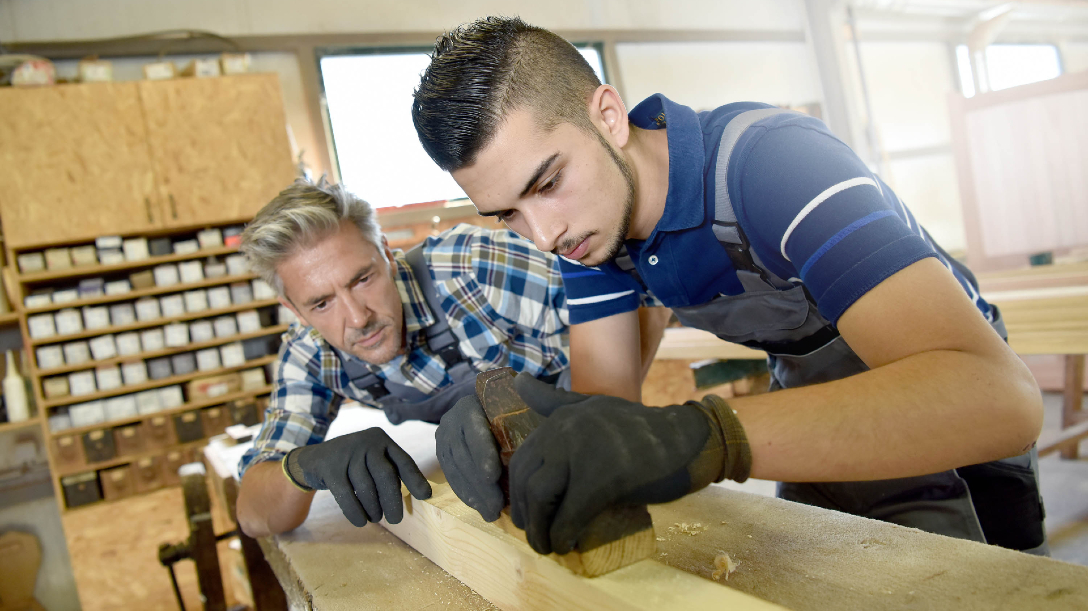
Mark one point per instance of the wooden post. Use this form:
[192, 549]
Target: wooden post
[1072, 399]
[198, 509]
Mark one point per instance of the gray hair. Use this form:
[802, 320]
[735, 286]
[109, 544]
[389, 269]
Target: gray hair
[301, 215]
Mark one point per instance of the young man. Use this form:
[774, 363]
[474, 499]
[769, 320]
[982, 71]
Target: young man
[406, 333]
[895, 387]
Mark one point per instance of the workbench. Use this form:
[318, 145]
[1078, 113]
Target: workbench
[793, 555]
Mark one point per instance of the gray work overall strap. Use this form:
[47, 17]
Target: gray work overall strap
[804, 348]
[402, 402]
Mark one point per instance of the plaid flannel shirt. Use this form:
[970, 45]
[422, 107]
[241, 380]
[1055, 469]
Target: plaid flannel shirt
[504, 301]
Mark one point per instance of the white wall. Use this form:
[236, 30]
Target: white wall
[1075, 56]
[909, 84]
[36, 20]
[707, 75]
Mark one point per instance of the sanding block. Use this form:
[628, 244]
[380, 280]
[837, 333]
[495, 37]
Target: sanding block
[619, 536]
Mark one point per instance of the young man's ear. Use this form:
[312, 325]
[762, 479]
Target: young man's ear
[609, 115]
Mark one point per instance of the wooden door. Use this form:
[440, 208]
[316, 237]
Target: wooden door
[74, 164]
[219, 146]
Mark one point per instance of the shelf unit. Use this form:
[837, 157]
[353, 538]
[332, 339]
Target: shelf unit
[17, 426]
[199, 405]
[151, 292]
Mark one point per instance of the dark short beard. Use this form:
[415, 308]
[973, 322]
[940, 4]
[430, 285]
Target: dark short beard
[615, 241]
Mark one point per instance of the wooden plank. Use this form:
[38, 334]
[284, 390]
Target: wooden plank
[511, 575]
[6, 427]
[811, 559]
[693, 344]
[1065, 440]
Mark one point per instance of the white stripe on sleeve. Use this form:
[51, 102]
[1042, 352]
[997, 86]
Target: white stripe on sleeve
[819, 199]
[597, 298]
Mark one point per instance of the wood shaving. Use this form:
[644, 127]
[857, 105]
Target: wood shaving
[688, 529]
[723, 565]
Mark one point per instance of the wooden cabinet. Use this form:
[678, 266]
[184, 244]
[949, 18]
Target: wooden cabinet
[219, 146]
[74, 163]
[81, 161]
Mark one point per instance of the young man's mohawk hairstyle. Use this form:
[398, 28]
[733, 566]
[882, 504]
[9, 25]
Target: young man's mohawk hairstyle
[479, 71]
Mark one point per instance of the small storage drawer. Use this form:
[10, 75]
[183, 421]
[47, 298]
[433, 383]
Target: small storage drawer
[98, 445]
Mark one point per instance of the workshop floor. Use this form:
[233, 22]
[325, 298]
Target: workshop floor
[113, 550]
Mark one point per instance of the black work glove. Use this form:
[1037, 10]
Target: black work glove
[469, 457]
[596, 451]
[469, 454]
[363, 471]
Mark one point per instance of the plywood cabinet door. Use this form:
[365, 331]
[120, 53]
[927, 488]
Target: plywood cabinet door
[219, 146]
[74, 164]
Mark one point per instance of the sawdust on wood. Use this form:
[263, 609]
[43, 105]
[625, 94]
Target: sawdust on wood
[688, 529]
[723, 565]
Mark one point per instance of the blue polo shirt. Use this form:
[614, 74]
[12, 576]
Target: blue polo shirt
[812, 211]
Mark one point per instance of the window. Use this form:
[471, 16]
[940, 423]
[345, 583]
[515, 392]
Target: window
[1010, 65]
[369, 101]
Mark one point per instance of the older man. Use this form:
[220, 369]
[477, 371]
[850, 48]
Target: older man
[403, 332]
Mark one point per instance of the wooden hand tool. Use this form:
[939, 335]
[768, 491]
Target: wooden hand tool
[619, 536]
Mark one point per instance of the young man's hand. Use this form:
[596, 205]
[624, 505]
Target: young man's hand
[597, 451]
[363, 471]
[591, 452]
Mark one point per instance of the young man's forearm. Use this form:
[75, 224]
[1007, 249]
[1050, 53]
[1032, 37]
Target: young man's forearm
[651, 326]
[924, 414]
[268, 503]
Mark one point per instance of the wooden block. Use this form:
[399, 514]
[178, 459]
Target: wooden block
[599, 552]
[617, 537]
